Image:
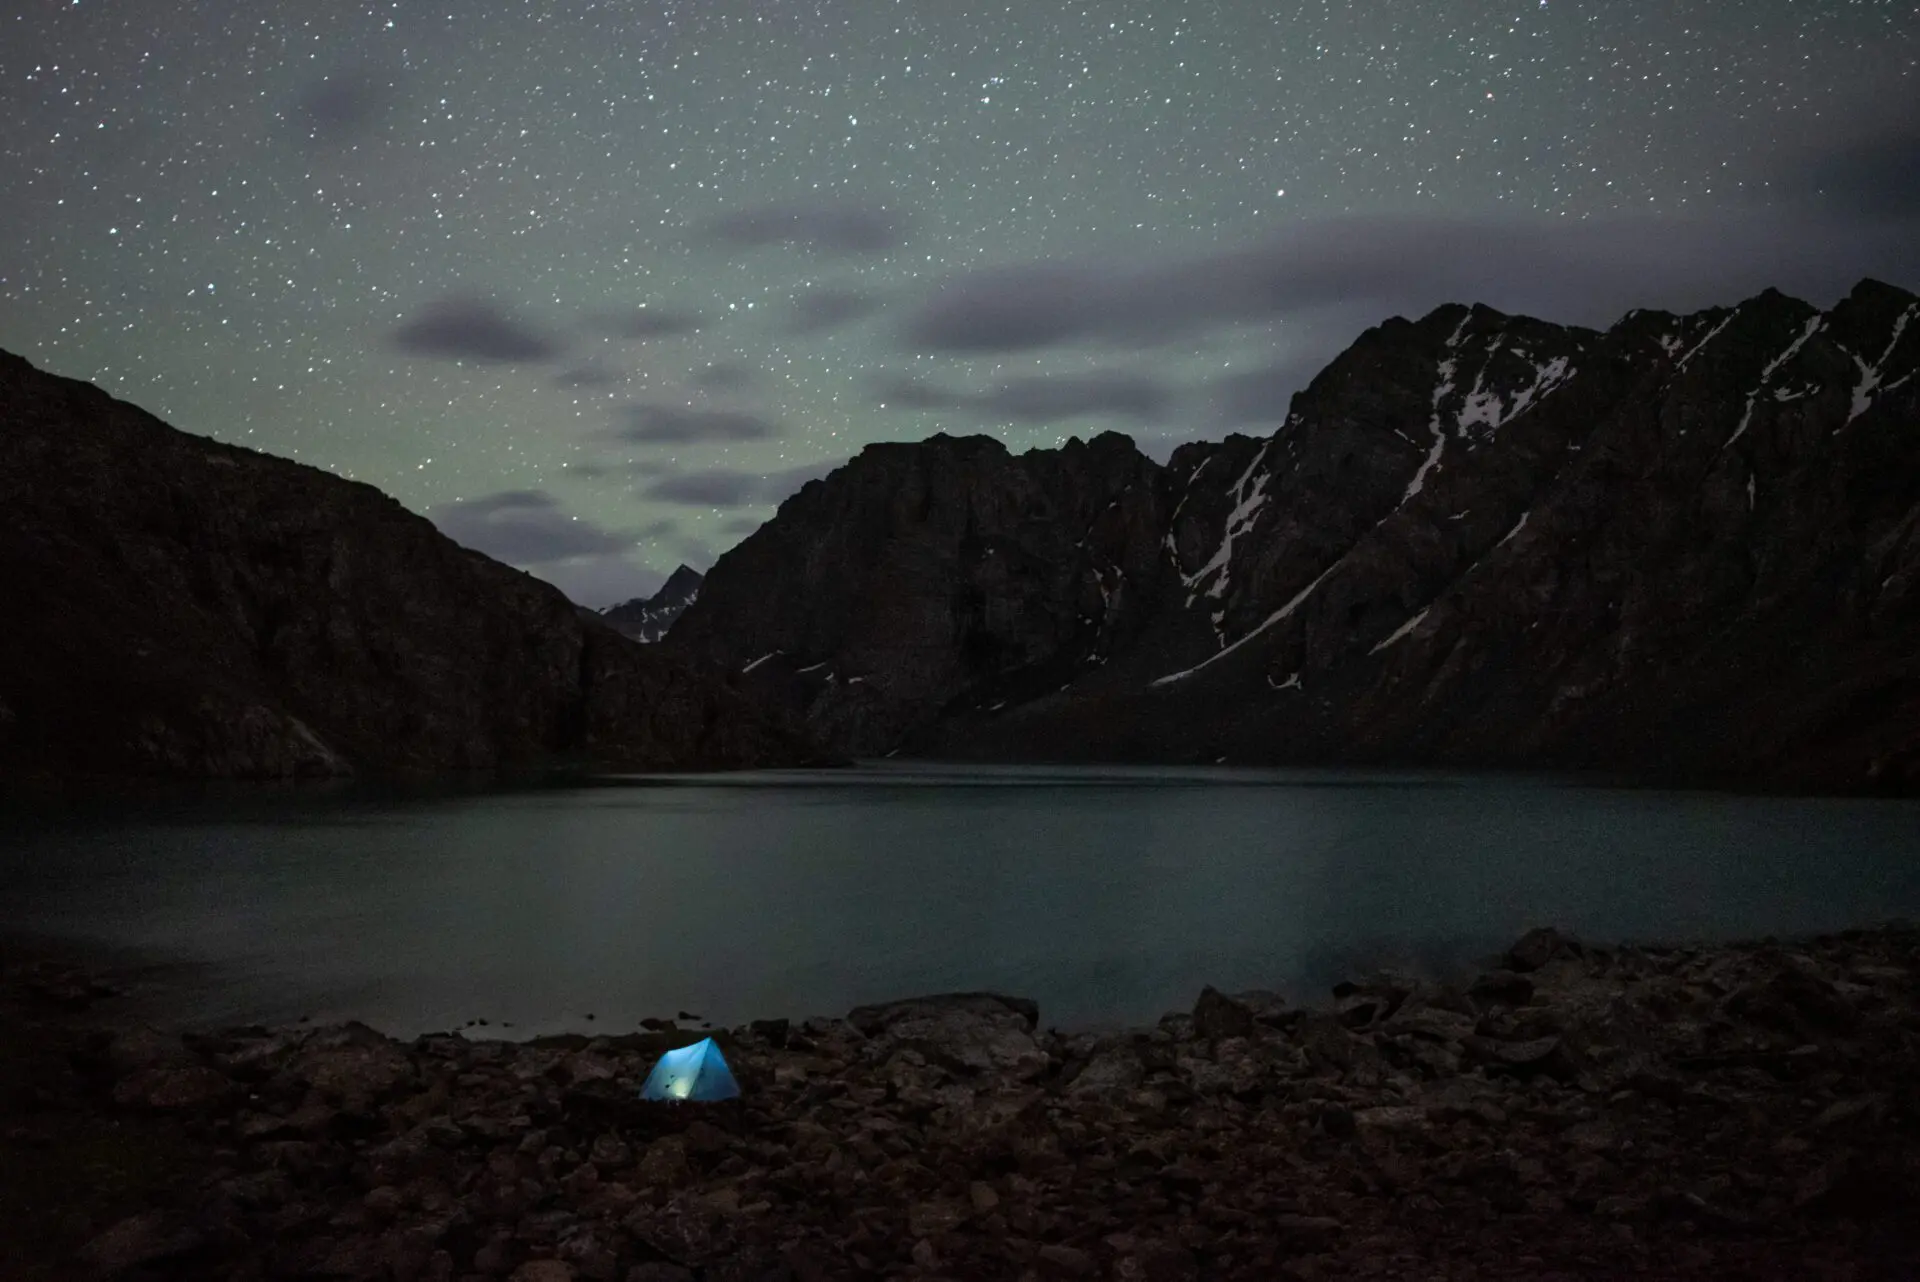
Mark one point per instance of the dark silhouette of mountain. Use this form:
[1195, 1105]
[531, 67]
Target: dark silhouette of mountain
[1685, 548]
[176, 606]
[647, 619]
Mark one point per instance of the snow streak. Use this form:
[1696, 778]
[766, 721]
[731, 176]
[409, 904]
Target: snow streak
[1400, 633]
[1247, 503]
[1766, 376]
[1701, 345]
[1870, 375]
[1276, 617]
[1440, 393]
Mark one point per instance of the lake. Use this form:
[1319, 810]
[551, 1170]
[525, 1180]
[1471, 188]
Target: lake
[1108, 894]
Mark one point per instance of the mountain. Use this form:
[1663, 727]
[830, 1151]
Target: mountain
[1687, 548]
[180, 607]
[648, 618]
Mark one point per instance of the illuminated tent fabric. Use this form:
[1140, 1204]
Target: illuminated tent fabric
[696, 1072]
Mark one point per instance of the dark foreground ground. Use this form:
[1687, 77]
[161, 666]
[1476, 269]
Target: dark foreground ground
[1748, 1111]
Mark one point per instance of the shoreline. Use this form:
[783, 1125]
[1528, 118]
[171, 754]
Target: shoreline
[1673, 1111]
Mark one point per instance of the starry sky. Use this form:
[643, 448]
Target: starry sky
[594, 284]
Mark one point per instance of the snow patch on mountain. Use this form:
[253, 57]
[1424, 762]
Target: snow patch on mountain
[1701, 346]
[1403, 631]
[1870, 375]
[1277, 616]
[1441, 392]
[1766, 375]
[1249, 496]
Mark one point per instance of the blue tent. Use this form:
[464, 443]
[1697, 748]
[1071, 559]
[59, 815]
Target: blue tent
[696, 1072]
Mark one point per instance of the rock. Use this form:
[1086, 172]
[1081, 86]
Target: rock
[1548, 1056]
[1339, 1121]
[1432, 1023]
[968, 1032]
[1232, 1069]
[589, 1254]
[610, 1152]
[1216, 1015]
[139, 1049]
[1502, 986]
[1305, 1232]
[1155, 1261]
[1389, 1119]
[982, 1197]
[664, 1165]
[352, 1062]
[147, 1238]
[1112, 1071]
[929, 1219]
[383, 1203]
[771, 1031]
[195, 1087]
[543, 1271]
[1065, 1262]
[1535, 949]
[1870, 1108]
[659, 1272]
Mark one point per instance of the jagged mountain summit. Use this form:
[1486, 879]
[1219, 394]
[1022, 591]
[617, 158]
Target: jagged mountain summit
[180, 607]
[646, 619]
[1686, 548]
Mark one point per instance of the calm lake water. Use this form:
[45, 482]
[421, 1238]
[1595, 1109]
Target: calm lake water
[1107, 894]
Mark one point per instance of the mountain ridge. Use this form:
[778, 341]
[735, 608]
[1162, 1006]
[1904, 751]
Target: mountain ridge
[646, 619]
[1474, 540]
[184, 608]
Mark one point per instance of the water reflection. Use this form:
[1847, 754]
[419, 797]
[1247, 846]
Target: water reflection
[1109, 895]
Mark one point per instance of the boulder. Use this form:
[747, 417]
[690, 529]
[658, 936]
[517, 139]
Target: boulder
[1218, 1015]
[148, 1238]
[1535, 949]
[966, 1032]
[1115, 1070]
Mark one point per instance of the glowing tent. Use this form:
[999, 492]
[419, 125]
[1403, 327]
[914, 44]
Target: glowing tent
[696, 1072]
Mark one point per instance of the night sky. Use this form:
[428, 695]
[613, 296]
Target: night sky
[594, 285]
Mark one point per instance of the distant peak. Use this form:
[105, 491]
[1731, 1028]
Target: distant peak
[1870, 290]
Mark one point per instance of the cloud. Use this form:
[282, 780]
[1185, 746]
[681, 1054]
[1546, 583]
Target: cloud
[1358, 270]
[740, 526]
[917, 394]
[1042, 399]
[644, 323]
[472, 329]
[660, 424]
[844, 229]
[725, 487]
[601, 581]
[524, 527]
[1262, 394]
[341, 107]
[532, 530]
[1877, 176]
[824, 309]
[589, 373]
[723, 376]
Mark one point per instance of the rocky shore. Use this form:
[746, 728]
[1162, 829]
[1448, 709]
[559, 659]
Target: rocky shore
[1742, 1111]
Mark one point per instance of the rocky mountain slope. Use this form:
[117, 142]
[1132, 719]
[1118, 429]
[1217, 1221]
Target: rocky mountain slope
[176, 606]
[647, 618]
[1688, 547]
